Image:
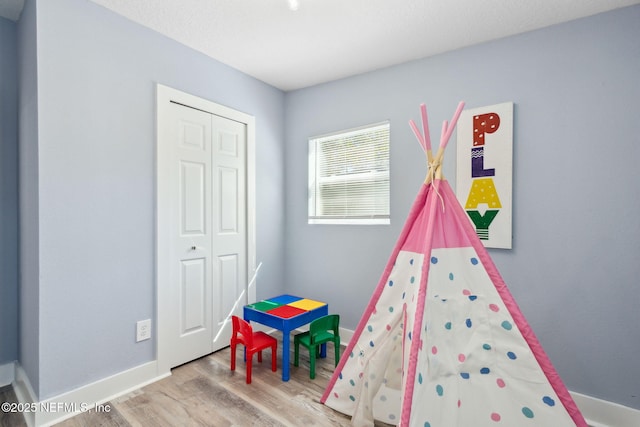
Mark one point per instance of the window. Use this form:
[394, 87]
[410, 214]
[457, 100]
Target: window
[349, 176]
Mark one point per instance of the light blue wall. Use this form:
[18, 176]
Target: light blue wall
[8, 192]
[574, 265]
[29, 270]
[96, 145]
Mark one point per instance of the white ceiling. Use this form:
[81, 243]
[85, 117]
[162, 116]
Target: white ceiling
[326, 40]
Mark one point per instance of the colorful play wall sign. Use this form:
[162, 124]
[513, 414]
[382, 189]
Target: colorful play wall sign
[485, 171]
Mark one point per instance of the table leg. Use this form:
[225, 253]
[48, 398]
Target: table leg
[285, 355]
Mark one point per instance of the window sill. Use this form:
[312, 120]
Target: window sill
[349, 221]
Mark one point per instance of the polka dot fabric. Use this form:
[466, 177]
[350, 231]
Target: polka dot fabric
[481, 372]
[369, 386]
[474, 368]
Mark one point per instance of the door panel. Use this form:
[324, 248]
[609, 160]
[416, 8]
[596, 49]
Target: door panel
[230, 223]
[191, 236]
[193, 135]
[193, 296]
[193, 203]
[228, 179]
[230, 289]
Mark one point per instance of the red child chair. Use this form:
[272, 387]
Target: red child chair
[253, 342]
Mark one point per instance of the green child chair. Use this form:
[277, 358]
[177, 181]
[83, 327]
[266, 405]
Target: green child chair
[321, 331]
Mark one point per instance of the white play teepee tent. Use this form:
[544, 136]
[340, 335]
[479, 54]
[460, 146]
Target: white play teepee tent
[442, 343]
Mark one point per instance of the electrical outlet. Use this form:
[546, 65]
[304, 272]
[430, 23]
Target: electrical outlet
[143, 330]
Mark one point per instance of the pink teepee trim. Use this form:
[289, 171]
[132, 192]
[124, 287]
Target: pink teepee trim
[427, 245]
[425, 126]
[418, 135]
[448, 130]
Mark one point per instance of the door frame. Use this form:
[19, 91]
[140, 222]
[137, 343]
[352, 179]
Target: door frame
[164, 96]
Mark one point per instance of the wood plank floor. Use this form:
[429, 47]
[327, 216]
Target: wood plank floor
[206, 393]
[9, 419]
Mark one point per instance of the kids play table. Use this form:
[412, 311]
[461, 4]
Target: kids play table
[286, 313]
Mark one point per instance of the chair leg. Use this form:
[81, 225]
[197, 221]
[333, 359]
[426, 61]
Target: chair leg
[249, 363]
[233, 357]
[322, 350]
[260, 356]
[337, 346]
[312, 362]
[296, 351]
[274, 357]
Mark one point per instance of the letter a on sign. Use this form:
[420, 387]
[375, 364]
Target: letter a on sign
[484, 171]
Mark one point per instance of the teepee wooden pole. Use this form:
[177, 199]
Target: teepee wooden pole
[434, 163]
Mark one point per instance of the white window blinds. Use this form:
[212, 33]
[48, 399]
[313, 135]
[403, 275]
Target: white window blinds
[349, 176]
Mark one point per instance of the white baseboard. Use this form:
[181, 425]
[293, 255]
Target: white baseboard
[600, 413]
[7, 373]
[25, 394]
[89, 397]
[345, 335]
